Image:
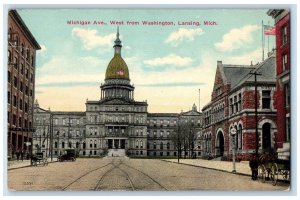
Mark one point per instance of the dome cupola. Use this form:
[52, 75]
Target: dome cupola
[117, 68]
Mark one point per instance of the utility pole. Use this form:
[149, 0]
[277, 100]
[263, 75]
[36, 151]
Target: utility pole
[199, 101]
[256, 105]
[51, 136]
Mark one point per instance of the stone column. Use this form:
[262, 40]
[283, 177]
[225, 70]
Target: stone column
[113, 143]
[119, 144]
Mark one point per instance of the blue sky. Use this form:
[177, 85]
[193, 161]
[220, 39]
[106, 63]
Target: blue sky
[167, 64]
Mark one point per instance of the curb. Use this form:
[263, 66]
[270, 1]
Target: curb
[221, 170]
[14, 168]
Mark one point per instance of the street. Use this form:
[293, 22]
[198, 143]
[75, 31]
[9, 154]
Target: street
[124, 174]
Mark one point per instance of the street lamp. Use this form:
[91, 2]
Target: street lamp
[233, 132]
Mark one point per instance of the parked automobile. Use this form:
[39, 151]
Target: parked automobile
[70, 154]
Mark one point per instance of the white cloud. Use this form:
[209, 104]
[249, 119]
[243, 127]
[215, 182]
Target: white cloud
[127, 47]
[65, 69]
[246, 58]
[90, 38]
[189, 34]
[171, 59]
[236, 38]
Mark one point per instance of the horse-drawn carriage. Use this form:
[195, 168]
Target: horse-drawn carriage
[39, 158]
[70, 154]
[270, 167]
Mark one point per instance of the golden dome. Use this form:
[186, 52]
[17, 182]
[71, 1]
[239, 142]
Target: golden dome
[117, 68]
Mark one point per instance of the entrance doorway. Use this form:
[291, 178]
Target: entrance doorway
[116, 143]
[266, 138]
[220, 144]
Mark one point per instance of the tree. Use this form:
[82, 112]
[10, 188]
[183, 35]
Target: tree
[184, 138]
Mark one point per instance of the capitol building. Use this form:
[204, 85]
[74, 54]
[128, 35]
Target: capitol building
[115, 125]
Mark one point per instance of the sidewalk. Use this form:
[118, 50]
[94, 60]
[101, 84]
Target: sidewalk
[14, 164]
[242, 168]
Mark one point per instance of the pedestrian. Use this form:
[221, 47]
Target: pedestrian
[22, 155]
[253, 163]
[18, 155]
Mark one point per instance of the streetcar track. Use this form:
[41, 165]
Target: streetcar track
[80, 177]
[146, 175]
[128, 178]
[107, 172]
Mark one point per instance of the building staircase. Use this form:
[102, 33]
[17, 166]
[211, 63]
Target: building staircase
[116, 153]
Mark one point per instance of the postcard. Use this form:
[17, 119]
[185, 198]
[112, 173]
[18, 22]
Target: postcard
[148, 99]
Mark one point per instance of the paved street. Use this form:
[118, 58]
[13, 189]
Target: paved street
[124, 174]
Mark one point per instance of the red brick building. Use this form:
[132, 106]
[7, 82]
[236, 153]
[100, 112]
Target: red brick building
[233, 106]
[282, 27]
[21, 53]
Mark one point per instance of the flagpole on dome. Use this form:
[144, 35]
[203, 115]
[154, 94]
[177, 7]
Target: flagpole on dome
[262, 39]
[268, 38]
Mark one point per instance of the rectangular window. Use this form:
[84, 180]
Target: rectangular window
[284, 35]
[77, 121]
[91, 119]
[284, 62]
[22, 68]
[14, 119]
[31, 78]
[26, 107]
[15, 82]
[8, 77]
[287, 95]
[16, 62]
[21, 104]
[20, 121]
[288, 129]
[15, 101]
[26, 73]
[235, 104]
[8, 97]
[26, 90]
[240, 102]
[231, 105]
[266, 99]
[21, 86]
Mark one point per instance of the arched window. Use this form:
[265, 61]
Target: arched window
[63, 145]
[137, 144]
[236, 138]
[83, 145]
[154, 145]
[95, 143]
[70, 144]
[141, 144]
[91, 143]
[168, 145]
[161, 145]
[55, 145]
[240, 135]
[77, 145]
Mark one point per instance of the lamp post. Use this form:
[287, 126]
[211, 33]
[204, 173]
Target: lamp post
[233, 132]
[256, 105]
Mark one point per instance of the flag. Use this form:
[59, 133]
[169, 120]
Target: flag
[269, 30]
[120, 72]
